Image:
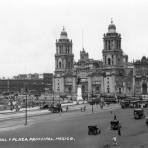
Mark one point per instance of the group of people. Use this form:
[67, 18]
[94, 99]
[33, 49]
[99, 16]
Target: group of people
[83, 109]
[114, 139]
[14, 103]
[119, 126]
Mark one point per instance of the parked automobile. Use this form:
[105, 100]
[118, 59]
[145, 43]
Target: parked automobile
[146, 120]
[93, 130]
[114, 124]
[125, 104]
[138, 113]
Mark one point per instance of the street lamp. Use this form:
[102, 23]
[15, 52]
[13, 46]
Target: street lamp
[53, 97]
[92, 101]
[59, 94]
[26, 108]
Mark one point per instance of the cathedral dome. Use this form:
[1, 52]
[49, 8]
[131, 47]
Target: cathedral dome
[63, 34]
[112, 27]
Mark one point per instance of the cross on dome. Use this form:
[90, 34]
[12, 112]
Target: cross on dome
[63, 34]
[112, 27]
[63, 28]
[112, 21]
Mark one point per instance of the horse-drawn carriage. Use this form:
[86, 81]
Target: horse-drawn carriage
[93, 130]
[55, 109]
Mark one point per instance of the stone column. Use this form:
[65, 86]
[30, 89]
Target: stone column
[74, 87]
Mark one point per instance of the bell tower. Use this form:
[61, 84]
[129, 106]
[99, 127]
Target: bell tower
[64, 78]
[112, 52]
[64, 56]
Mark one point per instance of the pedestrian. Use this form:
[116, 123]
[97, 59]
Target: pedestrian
[111, 111]
[119, 129]
[84, 108]
[115, 118]
[67, 108]
[114, 140]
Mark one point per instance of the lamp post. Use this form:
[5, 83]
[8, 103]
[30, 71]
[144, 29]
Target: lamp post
[59, 94]
[53, 97]
[26, 107]
[92, 101]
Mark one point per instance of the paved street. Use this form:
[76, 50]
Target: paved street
[54, 127]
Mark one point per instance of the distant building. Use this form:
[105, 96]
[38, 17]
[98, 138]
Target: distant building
[140, 76]
[32, 82]
[27, 76]
[48, 81]
[34, 76]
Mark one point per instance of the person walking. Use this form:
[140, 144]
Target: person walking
[115, 117]
[67, 108]
[119, 129]
[114, 139]
[111, 111]
[84, 108]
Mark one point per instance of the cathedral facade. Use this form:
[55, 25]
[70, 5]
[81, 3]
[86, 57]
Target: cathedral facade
[113, 75]
[140, 76]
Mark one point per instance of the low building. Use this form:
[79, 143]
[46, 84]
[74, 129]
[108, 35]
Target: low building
[33, 85]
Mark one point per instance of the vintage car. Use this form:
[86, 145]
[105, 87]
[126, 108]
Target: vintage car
[114, 124]
[138, 113]
[146, 120]
[93, 130]
[135, 104]
[125, 104]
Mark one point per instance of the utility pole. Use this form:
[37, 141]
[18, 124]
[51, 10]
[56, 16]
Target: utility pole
[92, 102]
[26, 107]
[53, 97]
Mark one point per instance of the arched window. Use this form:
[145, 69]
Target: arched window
[118, 60]
[109, 61]
[119, 90]
[108, 91]
[109, 44]
[68, 64]
[60, 64]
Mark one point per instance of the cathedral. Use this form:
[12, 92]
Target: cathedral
[113, 75]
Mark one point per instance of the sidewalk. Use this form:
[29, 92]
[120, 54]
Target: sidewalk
[31, 112]
[33, 108]
[35, 111]
[21, 110]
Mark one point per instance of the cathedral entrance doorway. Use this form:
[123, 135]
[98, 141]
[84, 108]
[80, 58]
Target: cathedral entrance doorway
[144, 88]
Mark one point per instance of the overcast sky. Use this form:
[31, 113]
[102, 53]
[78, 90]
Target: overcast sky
[29, 28]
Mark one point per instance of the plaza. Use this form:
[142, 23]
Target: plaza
[56, 130]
